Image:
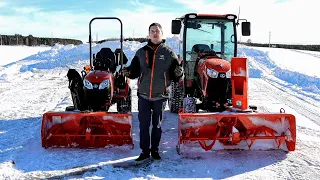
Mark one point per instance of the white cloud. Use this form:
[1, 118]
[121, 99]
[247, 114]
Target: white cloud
[44, 24]
[3, 4]
[27, 10]
[138, 20]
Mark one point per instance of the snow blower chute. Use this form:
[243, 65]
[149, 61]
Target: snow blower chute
[88, 124]
[212, 100]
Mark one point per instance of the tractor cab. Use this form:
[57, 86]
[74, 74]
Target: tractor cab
[206, 35]
[209, 42]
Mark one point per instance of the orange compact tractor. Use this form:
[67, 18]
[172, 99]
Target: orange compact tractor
[88, 124]
[212, 100]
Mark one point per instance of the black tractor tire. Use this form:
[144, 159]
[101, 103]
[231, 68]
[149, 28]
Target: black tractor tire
[175, 97]
[124, 105]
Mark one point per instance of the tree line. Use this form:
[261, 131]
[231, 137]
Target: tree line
[141, 39]
[18, 39]
[285, 46]
[248, 43]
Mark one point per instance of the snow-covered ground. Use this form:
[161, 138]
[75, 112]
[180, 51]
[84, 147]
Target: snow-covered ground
[10, 54]
[32, 84]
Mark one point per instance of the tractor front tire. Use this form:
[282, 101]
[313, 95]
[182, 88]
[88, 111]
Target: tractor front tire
[175, 97]
[124, 105]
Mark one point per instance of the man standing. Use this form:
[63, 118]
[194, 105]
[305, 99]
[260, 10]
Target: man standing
[156, 65]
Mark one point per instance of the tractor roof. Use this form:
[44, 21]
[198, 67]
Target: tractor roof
[210, 16]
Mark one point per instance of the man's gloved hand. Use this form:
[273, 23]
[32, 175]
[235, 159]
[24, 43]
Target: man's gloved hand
[126, 71]
[178, 71]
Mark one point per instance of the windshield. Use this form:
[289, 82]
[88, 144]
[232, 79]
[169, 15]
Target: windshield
[210, 35]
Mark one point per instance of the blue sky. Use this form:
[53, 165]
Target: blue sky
[289, 21]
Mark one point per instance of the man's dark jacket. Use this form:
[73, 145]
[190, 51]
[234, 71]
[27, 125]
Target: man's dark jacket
[154, 65]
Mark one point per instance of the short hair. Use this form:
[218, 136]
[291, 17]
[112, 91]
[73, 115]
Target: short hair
[156, 24]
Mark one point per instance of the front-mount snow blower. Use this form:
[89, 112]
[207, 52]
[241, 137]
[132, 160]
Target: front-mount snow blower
[88, 124]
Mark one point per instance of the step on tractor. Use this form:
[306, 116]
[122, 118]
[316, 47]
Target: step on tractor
[212, 99]
[88, 124]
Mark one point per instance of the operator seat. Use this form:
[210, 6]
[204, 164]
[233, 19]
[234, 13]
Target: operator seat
[200, 48]
[105, 60]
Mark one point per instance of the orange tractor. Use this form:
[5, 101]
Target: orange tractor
[212, 100]
[88, 124]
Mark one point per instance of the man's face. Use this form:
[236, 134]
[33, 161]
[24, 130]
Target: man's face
[155, 34]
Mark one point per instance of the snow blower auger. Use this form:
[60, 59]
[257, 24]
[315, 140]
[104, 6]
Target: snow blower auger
[88, 124]
[215, 111]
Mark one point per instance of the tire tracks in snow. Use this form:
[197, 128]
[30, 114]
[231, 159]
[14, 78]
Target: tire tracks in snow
[304, 52]
[293, 101]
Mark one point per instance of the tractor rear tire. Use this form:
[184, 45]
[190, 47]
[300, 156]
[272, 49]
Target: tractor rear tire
[124, 105]
[175, 97]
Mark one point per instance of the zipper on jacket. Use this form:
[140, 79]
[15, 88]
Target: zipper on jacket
[139, 79]
[147, 57]
[152, 71]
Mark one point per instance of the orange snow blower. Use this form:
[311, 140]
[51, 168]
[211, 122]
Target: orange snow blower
[212, 100]
[88, 124]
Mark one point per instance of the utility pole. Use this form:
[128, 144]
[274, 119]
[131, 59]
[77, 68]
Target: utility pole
[1, 39]
[51, 44]
[17, 40]
[97, 37]
[269, 38]
[133, 34]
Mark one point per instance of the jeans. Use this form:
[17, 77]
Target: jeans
[150, 111]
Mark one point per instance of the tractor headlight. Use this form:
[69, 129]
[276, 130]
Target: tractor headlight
[87, 84]
[228, 74]
[104, 84]
[212, 73]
